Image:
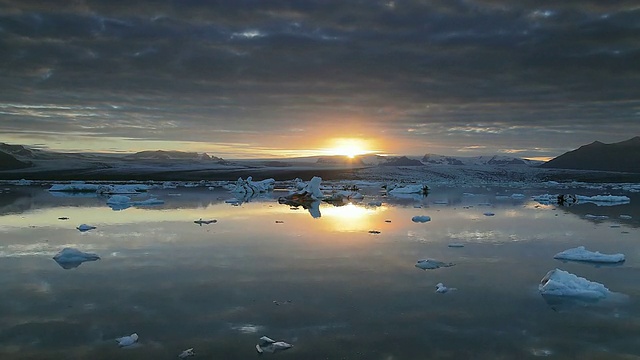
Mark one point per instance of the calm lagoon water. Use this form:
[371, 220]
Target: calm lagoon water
[344, 293]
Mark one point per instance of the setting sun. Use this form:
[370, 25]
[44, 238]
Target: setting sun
[348, 147]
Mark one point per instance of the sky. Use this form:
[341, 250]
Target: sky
[258, 78]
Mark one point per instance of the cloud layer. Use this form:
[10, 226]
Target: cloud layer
[449, 75]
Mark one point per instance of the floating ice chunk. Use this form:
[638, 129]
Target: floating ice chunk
[148, 202]
[604, 199]
[440, 288]
[517, 196]
[409, 189]
[205, 222]
[269, 345]
[69, 258]
[313, 188]
[596, 217]
[455, 245]
[74, 187]
[250, 187]
[625, 217]
[421, 218]
[441, 202]
[118, 199]
[582, 254]
[430, 264]
[187, 353]
[375, 203]
[562, 283]
[127, 340]
[85, 227]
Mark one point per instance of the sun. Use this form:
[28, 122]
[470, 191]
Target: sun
[348, 147]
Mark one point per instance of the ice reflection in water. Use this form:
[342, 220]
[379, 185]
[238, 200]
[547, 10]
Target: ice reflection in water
[353, 294]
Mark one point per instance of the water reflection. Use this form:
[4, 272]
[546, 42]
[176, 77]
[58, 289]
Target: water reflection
[216, 287]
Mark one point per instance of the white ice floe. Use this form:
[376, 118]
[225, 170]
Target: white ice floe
[441, 289]
[407, 189]
[69, 258]
[99, 188]
[205, 222]
[603, 200]
[121, 202]
[127, 340]
[430, 264]
[421, 218]
[562, 283]
[85, 227]
[625, 217]
[187, 353]
[596, 217]
[581, 254]
[600, 200]
[266, 344]
[250, 187]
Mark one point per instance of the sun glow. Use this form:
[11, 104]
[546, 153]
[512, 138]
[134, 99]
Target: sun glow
[348, 147]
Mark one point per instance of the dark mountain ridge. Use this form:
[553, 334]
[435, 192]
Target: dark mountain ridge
[622, 156]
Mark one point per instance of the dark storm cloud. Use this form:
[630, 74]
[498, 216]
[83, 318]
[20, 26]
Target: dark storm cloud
[462, 67]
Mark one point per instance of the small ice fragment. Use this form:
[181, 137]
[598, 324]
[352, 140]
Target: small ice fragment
[430, 264]
[541, 352]
[85, 227]
[421, 219]
[441, 289]
[269, 345]
[489, 214]
[205, 222]
[441, 202]
[185, 354]
[127, 340]
[581, 254]
[375, 203]
[626, 217]
[596, 217]
[456, 245]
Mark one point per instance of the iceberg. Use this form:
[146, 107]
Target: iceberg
[127, 340]
[69, 258]
[250, 187]
[430, 264]
[562, 283]
[85, 227]
[421, 219]
[269, 345]
[581, 254]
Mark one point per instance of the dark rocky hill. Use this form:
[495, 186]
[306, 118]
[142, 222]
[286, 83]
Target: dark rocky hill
[623, 156]
[9, 162]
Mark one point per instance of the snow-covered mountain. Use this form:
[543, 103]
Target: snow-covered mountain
[499, 160]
